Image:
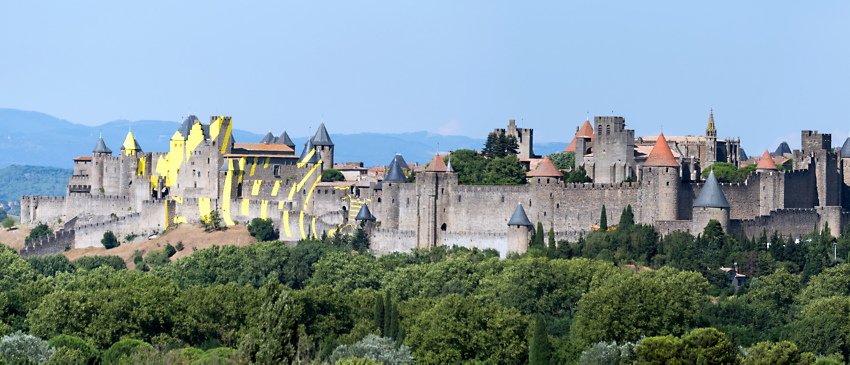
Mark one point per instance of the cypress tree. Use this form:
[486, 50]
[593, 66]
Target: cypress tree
[603, 220]
[551, 243]
[627, 219]
[540, 349]
[539, 236]
[378, 319]
[394, 322]
[400, 336]
[388, 312]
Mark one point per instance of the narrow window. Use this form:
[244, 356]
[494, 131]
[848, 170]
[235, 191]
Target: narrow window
[607, 129]
[458, 198]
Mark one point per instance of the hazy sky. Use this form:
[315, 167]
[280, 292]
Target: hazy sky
[769, 69]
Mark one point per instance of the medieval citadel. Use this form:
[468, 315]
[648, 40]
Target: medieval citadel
[138, 194]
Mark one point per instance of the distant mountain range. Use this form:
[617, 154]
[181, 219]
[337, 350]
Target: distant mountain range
[33, 138]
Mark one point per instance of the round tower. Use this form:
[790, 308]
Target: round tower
[519, 229]
[662, 174]
[711, 204]
[96, 178]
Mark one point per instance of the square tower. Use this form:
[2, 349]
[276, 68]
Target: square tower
[613, 150]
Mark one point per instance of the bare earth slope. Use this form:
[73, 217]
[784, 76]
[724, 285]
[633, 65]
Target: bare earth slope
[193, 238]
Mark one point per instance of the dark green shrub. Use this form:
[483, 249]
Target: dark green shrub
[262, 229]
[109, 240]
[89, 353]
[170, 250]
[50, 265]
[39, 231]
[123, 350]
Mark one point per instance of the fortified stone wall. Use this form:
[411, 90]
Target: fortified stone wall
[800, 188]
[134, 224]
[793, 221]
[388, 240]
[52, 244]
[667, 227]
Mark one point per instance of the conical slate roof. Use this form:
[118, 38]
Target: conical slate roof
[186, 127]
[401, 162]
[661, 154]
[437, 165]
[307, 148]
[742, 155]
[845, 149]
[546, 169]
[394, 173]
[766, 162]
[782, 149]
[711, 196]
[364, 214]
[101, 147]
[322, 138]
[519, 218]
[284, 139]
[269, 138]
[449, 167]
[379, 185]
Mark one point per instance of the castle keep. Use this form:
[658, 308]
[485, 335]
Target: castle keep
[139, 193]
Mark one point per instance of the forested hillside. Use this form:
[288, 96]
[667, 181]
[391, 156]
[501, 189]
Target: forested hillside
[326, 300]
[16, 181]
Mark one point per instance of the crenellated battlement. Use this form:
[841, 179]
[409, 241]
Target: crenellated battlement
[133, 217]
[50, 244]
[611, 186]
[154, 203]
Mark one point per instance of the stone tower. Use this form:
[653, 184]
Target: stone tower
[583, 142]
[99, 153]
[519, 228]
[661, 174]
[710, 156]
[769, 184]
[524, 138]
[613, 151]
[711, 204]
[324, 146]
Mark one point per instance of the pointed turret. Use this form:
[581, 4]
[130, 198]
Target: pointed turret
[394, 173]
[101, 147]
[546, 169]
[364, 214]
[437, 165]
[661, 156]
[586, 131]
[269, 138]
[322, 138]
[766, 163]
[449, 168]
[130, 146]
[711, 196]
[710, 131]
[519, 218]
[284, 139]
[309, 155]
[401, 162]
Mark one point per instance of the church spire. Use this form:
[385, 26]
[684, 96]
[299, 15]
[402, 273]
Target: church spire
[710, 131]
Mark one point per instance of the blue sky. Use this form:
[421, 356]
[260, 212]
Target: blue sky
[769, 69]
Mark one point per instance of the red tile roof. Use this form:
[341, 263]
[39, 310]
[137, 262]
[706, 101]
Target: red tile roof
[263, 147]
[586, 131]
[661, 154]
[437, 165]
[766, 162]
[83, 158]
[546, 169]
[571, 147]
